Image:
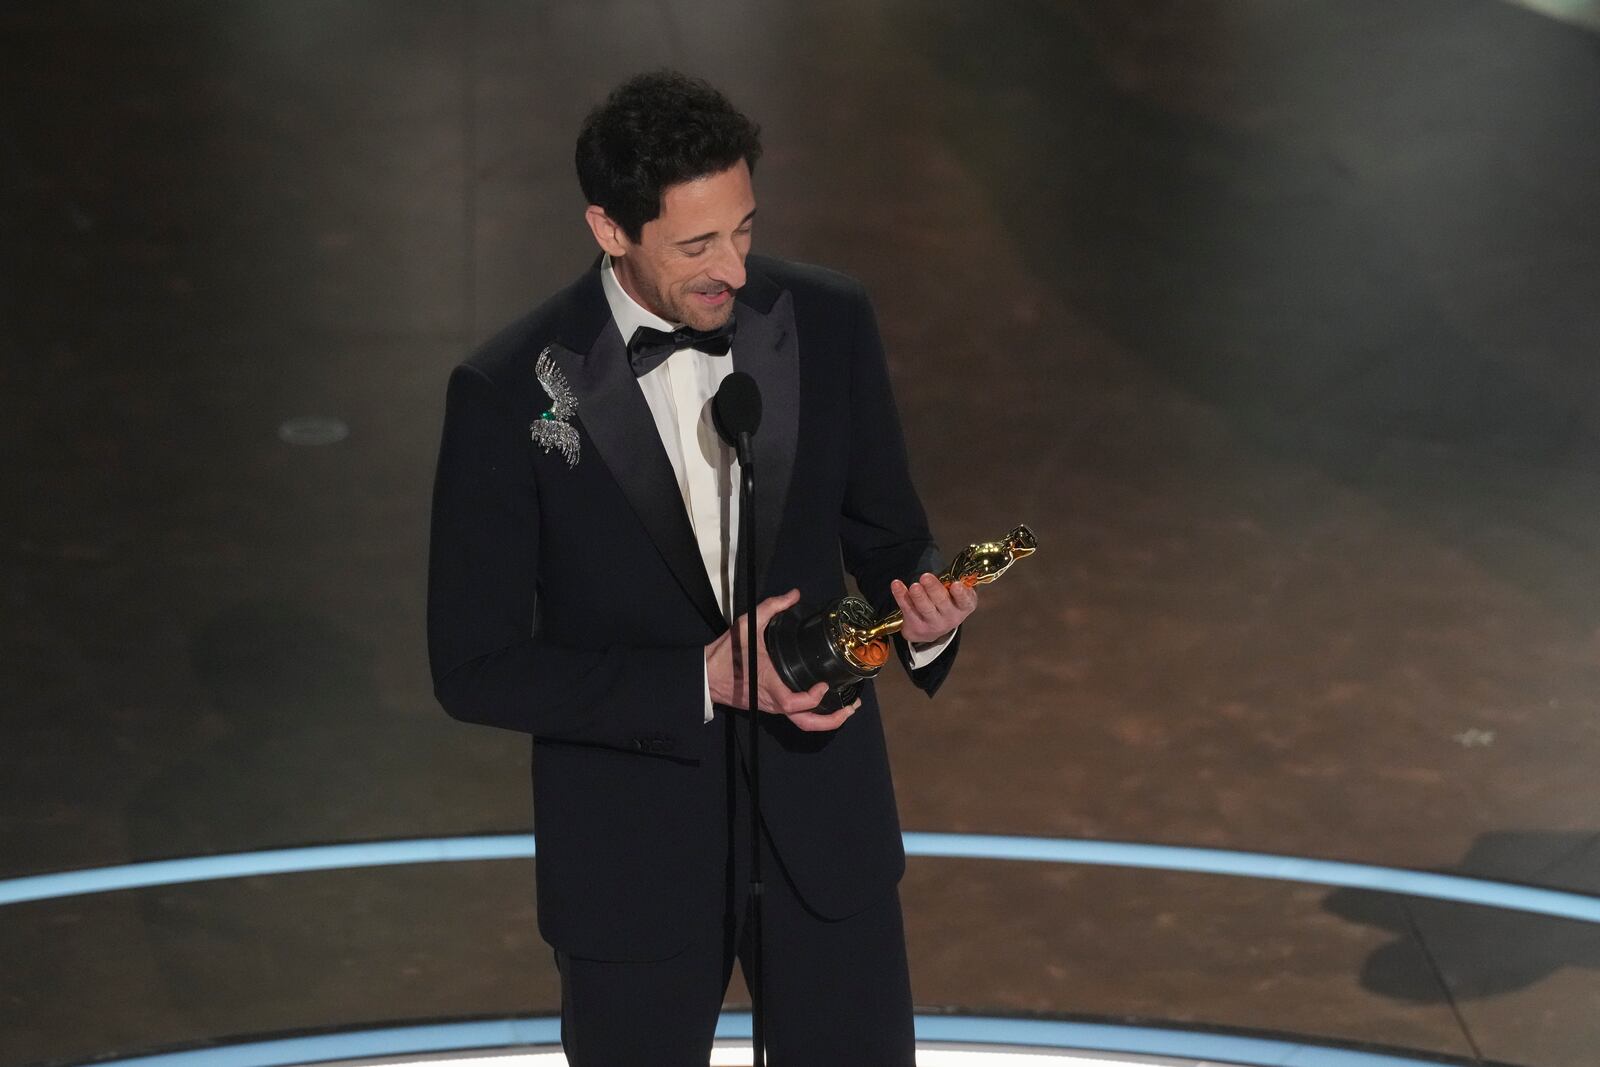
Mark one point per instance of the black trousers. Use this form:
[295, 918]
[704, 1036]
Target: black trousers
[837, 992]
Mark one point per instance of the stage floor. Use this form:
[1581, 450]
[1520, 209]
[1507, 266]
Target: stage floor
[1276, 322]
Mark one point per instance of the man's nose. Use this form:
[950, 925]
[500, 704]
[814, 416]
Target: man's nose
[729, 266]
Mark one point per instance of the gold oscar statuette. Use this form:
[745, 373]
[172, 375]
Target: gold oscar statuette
[845, 644]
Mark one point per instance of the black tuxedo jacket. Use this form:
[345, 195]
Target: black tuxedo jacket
[571, 603]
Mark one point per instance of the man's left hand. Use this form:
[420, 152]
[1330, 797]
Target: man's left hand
[932, 611]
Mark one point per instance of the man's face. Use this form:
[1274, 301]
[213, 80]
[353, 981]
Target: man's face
[689, 260]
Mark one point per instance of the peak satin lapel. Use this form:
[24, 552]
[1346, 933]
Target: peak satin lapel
[617, 419]
[766, 347]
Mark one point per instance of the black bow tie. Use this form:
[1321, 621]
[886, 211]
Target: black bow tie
[647, 348]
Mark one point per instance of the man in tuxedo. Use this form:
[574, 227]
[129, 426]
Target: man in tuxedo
[584, 589]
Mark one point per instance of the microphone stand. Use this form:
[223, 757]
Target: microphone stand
[747, 536]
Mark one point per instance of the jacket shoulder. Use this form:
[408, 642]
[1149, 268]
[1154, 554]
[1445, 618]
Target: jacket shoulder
[806, 280]
[507, 359]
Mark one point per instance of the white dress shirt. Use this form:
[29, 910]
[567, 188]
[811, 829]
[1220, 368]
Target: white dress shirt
[679, 392]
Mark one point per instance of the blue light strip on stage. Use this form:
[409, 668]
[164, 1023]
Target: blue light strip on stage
[1506, 896]
[963, 1029]
[1501, 895]
[1213, 1048]
[360, 1045]
[275, 861]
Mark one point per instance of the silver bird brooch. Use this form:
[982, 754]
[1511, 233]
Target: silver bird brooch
[553, 428]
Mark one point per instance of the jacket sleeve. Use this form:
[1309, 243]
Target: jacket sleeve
[884, 530]
[489, 664]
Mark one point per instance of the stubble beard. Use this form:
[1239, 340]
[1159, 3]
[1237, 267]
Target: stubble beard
[694, 314]
[705, 318]
[682, 307]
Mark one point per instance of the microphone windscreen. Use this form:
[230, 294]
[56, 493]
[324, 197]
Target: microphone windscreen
[736, 408]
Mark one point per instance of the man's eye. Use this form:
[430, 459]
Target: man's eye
[695, 251]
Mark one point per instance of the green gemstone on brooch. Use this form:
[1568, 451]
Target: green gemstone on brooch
[547, 415]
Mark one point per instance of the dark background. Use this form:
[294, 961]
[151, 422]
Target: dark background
[1277, 321]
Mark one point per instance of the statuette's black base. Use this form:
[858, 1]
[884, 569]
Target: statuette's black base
[800, 644]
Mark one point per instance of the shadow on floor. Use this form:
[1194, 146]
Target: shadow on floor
[1476, 951]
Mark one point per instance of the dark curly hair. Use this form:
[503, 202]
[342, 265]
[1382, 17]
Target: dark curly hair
[653, 131]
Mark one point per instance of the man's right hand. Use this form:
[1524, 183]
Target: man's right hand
[725, 674]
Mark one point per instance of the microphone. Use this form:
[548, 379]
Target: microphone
[736, 411]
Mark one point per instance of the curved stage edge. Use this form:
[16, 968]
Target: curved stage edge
[943, 1040]
[1505, 896]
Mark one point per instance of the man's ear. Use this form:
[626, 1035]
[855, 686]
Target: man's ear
[607, 234]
